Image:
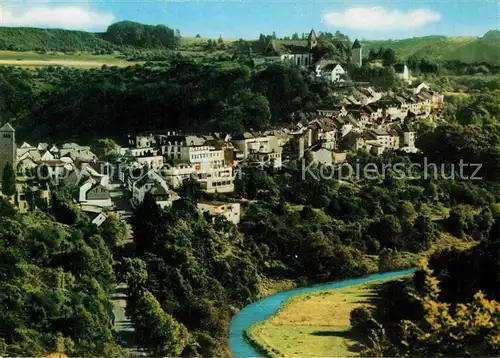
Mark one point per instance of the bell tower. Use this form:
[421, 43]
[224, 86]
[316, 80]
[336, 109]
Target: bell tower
[7, 146]
[356, 54]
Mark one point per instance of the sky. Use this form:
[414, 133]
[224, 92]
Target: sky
[366, 19]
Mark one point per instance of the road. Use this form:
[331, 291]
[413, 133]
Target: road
[123, 326]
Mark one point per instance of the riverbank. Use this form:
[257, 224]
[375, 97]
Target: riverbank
[314, 324]
[261, 310]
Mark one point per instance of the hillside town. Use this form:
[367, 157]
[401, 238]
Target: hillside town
[218, 182]
[159, 163]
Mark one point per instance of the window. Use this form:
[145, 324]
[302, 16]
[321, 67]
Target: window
[6, 135]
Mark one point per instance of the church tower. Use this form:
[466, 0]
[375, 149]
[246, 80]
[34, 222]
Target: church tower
[312, 40]
[7, 146]
[356, 54]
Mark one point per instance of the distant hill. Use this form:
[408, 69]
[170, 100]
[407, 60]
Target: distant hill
[442, 48]
[139, 36]
[124, 33]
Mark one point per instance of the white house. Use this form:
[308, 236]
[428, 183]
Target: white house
[324, 131]
[250, 143]
[175, 174]
[320, 155]
[216, 180]
[99, 219]
[333, 72]
[174, 147]
[153, 162]
[231, 211]
[383, 138]
[152, 183]
[91, 193]
[85, 172]
[24, 148]
[421, 86]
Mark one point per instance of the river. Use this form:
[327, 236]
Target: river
[264, 308]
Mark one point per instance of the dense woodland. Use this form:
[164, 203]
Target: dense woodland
[450, 307]
[118, 36]
[57, 278]
[61, 103]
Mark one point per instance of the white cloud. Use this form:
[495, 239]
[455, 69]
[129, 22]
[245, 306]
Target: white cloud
[68, 17]
[378, 18]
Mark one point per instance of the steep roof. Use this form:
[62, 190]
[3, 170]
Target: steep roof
[287, 47]
[379, 132]
[331, 66]
[356, 44]
[7, 128]
[399, 67]
[244, 135]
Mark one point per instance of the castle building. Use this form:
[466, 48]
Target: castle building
[7, 146]
[356, 54]
[298, 52]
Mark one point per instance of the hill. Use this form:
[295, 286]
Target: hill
[118, 35]
[442, 48]
[127, 35]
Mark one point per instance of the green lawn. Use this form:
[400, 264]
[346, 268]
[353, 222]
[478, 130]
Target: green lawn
[34, 59]
[314, 324]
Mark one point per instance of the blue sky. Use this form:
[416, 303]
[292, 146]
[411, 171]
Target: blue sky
[247, 18]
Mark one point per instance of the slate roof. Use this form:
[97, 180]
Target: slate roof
[326, 124]
[356, 44]
[380, 132]
[69, 145]
[7, 128]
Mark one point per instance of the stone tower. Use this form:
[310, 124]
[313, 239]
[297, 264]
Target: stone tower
[312, 40]
[356, 54]
[7, 147]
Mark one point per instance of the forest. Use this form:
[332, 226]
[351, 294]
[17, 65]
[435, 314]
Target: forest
[449, 308]
[118, 36]
[57, 278]
[201, 269]
[61, 103]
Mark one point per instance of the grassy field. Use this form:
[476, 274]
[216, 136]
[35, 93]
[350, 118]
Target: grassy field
[315, 324]
[84, 60]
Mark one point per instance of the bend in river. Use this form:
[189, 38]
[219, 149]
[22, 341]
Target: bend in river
[264, 308]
